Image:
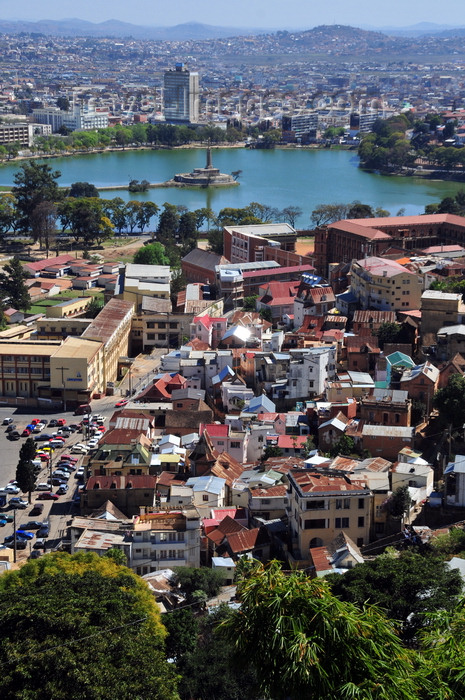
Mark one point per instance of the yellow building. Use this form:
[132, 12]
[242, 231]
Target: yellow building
[77, 370]
[112, 328]
[321, 505]
[25, 367]
[383, 284]
[70, 307]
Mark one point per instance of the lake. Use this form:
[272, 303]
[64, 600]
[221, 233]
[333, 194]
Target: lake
[279, 178]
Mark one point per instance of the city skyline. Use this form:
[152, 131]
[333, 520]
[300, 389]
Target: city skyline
[255, 14]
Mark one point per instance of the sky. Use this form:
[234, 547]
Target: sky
[273, 14]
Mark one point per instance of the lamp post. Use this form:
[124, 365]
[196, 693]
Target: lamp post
[63, 369]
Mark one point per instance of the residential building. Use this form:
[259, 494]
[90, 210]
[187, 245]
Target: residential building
[378, 283]
[165, 538]
[387, 440]
[438, 310]
[127, 493]
[246, 243]
[321, 505]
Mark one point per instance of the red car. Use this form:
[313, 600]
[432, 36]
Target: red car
[43, 456]
[101, 429]
[123, 402]
[34, 421]
[48, 496]
[26, 432]
[69, 458]
[61, 421]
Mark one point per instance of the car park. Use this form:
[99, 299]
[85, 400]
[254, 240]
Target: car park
[17, 502]
[26, 432]
[38, 428]
[43, 437]
[52, 423]
[25, 535]
[80, 473]
[61, 421]
[7, 517]
[69, 458]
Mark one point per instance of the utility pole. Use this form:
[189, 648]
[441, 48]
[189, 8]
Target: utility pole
[14, 536]
[50, 463]
[63, 369]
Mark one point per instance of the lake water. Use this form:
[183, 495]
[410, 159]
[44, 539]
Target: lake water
[279, 178]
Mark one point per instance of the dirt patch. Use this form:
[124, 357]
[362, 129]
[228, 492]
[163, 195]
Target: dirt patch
[114, 253]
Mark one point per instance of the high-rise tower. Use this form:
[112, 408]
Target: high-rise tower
[181, 95]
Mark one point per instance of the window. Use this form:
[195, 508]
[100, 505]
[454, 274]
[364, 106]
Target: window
[150, 336]
[205, 497]
[162, 336]
[338, 503]
[361, 503]
[341, 523]
[316, 505]
[315, 524]
[161, 324]
[235, 444]
[173, 324]
[346, 503]
[361, 521]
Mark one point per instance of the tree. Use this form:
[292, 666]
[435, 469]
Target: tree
[407, 587]
[308, 447]
[215, 241]
[344, 446]
[168, 223]
[400, 502]
[442, 652]
[43, 223]
[303, 642]
[83, 189]
[388, 332]
[249, 303]
[83, 627]
[327, 213]
[12, 285]
[450, 401]
[271, 451]
[34, 183]
[25, 473]
[208, 669]
[151, 254]
[182, 627]
[63, 103]
[115, 209]
[360, 211]
[95, 307]
[145, 213]
[86, 218]
[191, 580]
[291, 214]
[8, 214]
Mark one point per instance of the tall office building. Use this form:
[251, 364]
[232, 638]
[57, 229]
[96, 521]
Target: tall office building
[181, 95]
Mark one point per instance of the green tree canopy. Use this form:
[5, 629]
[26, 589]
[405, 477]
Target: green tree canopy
[388, 332]
[25, 473]
[12, 285]
[450, 401]
[303, 642]
[406, 587]
[83, 189]
[80, 627]
[34, 183]
[151, 254]
[191, 580]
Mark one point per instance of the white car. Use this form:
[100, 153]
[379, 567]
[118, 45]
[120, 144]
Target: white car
[79, 450]
[43, 486]
[10, 488]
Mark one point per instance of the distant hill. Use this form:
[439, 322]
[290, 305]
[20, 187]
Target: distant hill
[114, 28]
[416, 30]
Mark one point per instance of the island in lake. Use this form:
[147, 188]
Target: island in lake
[205, 177]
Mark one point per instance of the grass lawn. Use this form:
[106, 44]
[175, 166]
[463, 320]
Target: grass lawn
[41, 306]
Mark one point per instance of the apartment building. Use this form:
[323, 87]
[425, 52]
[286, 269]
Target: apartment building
[165, 539]
[321, 505]
[378, 283]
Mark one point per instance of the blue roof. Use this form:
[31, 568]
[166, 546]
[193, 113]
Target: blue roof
[258, 402]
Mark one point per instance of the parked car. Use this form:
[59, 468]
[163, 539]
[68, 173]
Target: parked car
[7, 517]
[43, 486]
[61, 421]
[69, 458]
[48, 496]
[17, 502]
[14, 435]
[43, 531]
[33, 525]
[10, 488]
[43, 437]
[38, 509]
[10, 428]
[121, 403]
[26, 432]
[7, 421]
[38, 428]
[39, 543]
[52, 423]
[35, 554]
[62, 489]
[25, 535]
[20, 543]
[80, 473]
